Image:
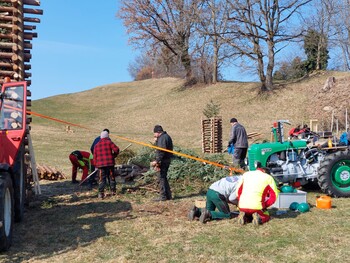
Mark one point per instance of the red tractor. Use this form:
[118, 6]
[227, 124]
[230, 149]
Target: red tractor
[13, 169]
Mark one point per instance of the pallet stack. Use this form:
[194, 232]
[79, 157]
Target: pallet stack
[212, 135]
[17, 26]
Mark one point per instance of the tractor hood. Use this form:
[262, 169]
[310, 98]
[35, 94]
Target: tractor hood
[262, 151]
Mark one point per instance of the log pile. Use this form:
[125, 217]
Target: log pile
[212, 135]
[253, 135]
[16, 32]
[49, 173]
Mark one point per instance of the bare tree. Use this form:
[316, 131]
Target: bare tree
[155, 63]
[212, 23]
[164, 22]
[341, 24]
[260, 29]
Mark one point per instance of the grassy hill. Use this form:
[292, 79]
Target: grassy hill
[132, 109]
[67, 223]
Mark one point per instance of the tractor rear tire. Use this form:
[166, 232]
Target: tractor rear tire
[334, 174]
[19, 185]
[6, 211]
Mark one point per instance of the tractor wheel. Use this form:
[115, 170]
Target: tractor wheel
[334, 174]
[19, 170]
[6, 211]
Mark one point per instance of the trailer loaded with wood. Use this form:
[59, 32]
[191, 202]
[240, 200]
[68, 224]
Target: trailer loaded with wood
[17, 162]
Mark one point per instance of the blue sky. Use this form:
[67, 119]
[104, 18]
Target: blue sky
[80, 45]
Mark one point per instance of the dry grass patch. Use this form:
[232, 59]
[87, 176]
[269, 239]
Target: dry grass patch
[69, 224]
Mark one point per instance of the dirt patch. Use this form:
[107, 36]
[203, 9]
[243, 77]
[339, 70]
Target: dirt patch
[335, 99]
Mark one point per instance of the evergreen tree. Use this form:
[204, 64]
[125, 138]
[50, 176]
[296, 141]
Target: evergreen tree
[316, 49]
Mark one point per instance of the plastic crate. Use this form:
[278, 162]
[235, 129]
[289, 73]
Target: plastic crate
[285, 199]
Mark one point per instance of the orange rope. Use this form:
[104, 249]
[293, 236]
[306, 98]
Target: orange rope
[231, 169]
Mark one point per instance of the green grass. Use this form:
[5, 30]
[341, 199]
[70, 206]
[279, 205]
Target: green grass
[69, 224]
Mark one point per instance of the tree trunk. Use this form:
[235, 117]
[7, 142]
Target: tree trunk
[261, 71]
[186, 62]
[270, 65]
[215, 60]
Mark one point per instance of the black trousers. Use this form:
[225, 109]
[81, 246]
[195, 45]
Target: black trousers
[164, 187]
[106, 173]
[238, 157]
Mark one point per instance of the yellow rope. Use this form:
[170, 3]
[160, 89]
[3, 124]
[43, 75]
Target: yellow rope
[231, 169]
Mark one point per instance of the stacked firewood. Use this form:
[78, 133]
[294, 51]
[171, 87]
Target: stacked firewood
[212, 135]
[49, 173]
[253, 135]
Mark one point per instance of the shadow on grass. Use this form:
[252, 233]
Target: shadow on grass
[58, 223]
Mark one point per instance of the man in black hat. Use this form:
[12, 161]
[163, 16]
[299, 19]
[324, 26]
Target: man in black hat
[162, 162]
[239, 140]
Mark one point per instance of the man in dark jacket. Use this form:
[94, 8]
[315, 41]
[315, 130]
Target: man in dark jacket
[239, 139]
[104, 153]
[162, 162]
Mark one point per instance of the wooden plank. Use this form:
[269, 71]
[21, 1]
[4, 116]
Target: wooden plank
[31, 2]
[33, 165]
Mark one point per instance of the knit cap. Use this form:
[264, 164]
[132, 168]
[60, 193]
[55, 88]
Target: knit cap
[104, 134]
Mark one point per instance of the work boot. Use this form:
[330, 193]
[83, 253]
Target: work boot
[101, 195]
[256, 219]
[205, 216]
[194, 212]
[241, 218]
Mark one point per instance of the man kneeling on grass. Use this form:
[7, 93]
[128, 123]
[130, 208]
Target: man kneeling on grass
[256, 192]
[219, 195]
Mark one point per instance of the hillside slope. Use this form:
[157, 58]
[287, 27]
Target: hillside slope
[132, 109]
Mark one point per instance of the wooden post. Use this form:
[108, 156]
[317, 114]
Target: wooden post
[314, 125]
[332, 120]
[337, 124]
[33, 165]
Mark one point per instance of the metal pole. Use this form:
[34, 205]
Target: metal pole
[346, 119]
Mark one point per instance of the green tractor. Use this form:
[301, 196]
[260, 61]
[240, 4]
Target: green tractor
[297, 163]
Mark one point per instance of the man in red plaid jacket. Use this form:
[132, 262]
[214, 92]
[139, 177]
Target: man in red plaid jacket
[105, 152]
